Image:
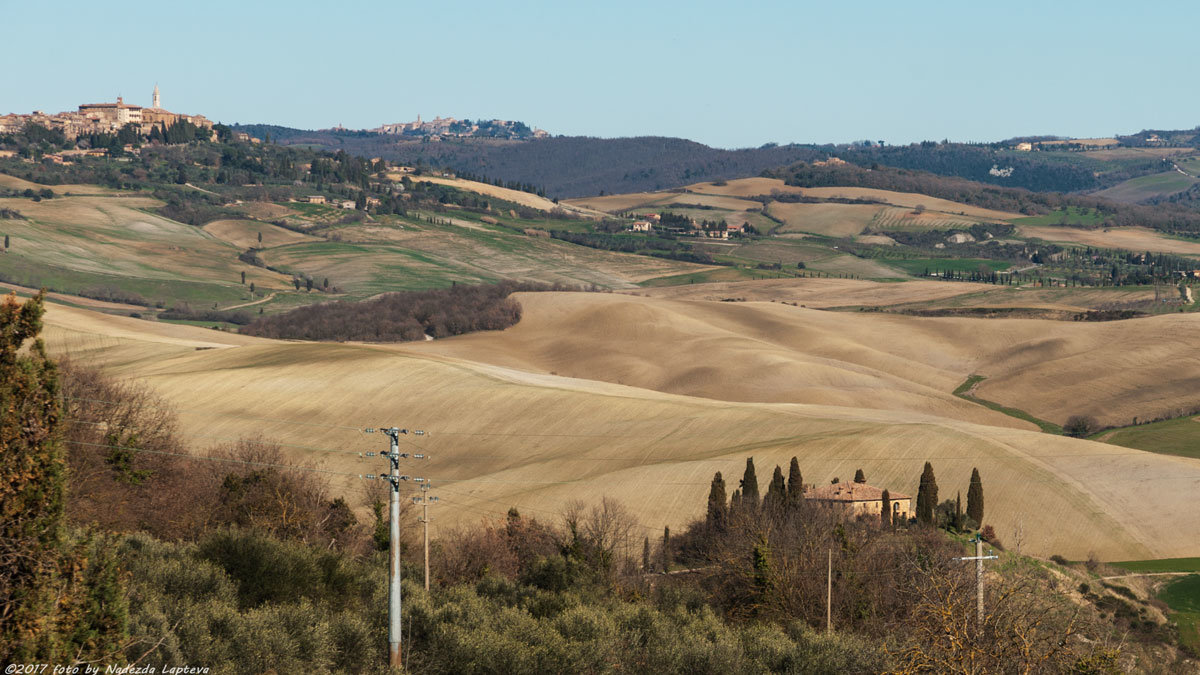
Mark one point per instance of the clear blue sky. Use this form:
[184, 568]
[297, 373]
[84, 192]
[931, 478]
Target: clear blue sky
[727, 74]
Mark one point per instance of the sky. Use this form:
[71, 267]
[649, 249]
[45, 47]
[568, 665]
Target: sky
[727, 74]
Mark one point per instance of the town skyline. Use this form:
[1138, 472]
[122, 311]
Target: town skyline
[775, 72]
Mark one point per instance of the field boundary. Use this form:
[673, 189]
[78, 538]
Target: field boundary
[964, 390]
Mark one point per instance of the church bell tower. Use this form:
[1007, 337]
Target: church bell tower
[157, 102]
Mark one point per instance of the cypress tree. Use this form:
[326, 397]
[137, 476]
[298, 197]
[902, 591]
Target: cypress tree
[859, 476]
[776, 498]
[664, 553]
[6, 242]
[60, 601]
[750, 498]
[975, 498]
[927, 495]
[735, 502]
[885, 511]
[243, 277]
[795, 486]
[716, 517]
[958, 514]
[646, 555]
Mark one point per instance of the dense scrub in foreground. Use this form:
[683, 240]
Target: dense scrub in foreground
[403, 316]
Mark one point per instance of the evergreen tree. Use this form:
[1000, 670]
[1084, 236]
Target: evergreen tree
[646, 555]
[975, 498]
[243, 277]
[859, 476]
[716, 516]
[885, 511]
[776, 498]
[735, 503]
[664, 553]
[927, 495]
[750, 498]
[6, 242]
[795, 486]
[308, 285]
[60, 601]
[260, 237]
[958, 514]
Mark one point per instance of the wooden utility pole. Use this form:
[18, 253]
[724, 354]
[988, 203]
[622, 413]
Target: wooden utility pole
[829, 595]
[424, 501]
[979, 557]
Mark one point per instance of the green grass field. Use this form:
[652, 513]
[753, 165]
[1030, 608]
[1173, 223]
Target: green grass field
[961, 392]
[917, 266]
[721, 274]
[1190, 165]
[1183, 597]
[1180, 436]
[1145, 187]
[1071, 215]
[1161, 565]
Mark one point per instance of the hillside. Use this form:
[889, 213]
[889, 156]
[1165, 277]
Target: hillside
[562, 166]
[539, 440]
[583, 166]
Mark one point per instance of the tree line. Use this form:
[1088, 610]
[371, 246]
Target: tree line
[403, 316]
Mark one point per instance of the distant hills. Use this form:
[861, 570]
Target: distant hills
[566, 167]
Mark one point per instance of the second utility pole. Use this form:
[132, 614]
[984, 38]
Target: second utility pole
[424, 500]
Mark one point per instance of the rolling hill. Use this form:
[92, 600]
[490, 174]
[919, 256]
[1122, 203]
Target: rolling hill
[505, 429]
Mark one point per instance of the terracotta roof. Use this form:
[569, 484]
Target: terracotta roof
[850, 492]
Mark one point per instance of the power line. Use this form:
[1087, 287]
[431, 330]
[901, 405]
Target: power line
[242, 439]
[219, 459]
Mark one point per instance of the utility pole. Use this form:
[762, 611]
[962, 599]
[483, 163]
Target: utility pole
[979, 557]
[394, 456]
[424, 501]
[829, 596]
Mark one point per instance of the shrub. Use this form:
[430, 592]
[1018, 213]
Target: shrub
[1080, 426]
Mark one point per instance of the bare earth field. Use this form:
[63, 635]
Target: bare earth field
[538, 441]
[514, 196]
[115, 236]
[244, 233]
[819, 292]
[909, 199]
[1128, 238]
[833, 220]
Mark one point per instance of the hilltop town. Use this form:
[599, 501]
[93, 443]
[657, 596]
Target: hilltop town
[450, 127]
[102, 118]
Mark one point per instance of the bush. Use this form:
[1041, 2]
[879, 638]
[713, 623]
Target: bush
[1079, 426]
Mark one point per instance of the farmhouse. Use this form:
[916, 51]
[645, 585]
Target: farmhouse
[315, 199]
[861, 499]
[641, 226]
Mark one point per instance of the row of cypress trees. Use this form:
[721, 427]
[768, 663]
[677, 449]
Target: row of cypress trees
[783, 495]
[927, 496]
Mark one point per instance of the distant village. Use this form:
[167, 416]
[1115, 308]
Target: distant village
[102, 118]
[449, 127]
